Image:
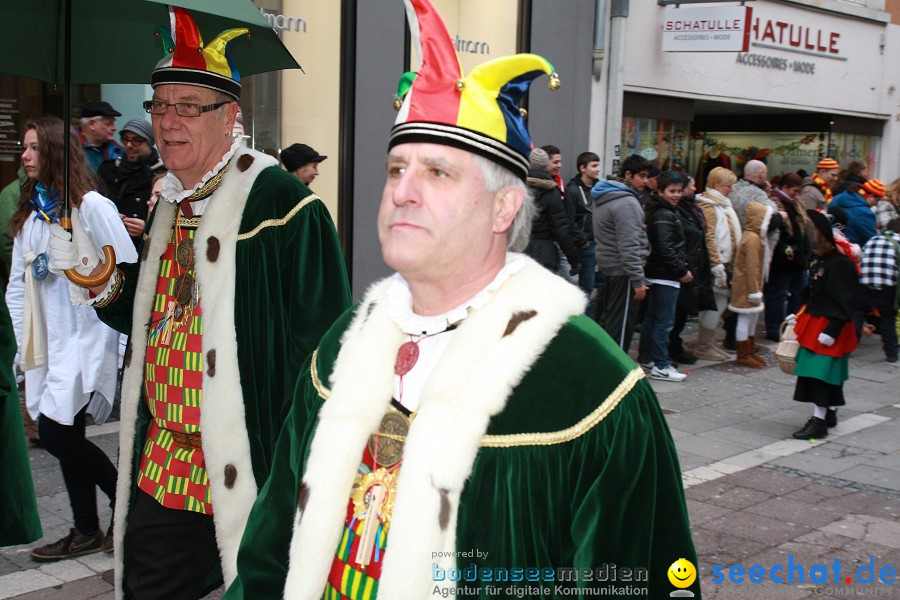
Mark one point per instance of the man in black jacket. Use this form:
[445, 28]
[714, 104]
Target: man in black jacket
[128, 180]
[578, 206]
[551, 226]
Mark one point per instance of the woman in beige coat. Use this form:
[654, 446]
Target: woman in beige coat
[723, 234]
[751, 270]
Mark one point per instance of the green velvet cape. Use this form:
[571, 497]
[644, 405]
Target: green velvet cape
[272, 280]
[20, 523]
[578, 468]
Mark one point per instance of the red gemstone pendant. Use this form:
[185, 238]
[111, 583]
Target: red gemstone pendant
[406, 358]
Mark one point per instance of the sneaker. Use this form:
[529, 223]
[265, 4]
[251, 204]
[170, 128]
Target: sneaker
[891, 358]
[667, 374]
[647, 366]
[74, 544]
[107, 545]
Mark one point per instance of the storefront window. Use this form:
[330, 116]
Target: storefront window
[782, 152]
[663, 142]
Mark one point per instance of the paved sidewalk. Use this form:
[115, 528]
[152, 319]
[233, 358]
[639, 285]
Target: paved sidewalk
[756, 496]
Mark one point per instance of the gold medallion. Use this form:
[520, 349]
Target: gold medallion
[184, 253]
[390, 449]
[184, 289]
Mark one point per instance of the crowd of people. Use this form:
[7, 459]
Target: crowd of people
[742, 250]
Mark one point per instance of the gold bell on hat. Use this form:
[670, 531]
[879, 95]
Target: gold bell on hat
[398, 104]
[554, 82]
[524, 112]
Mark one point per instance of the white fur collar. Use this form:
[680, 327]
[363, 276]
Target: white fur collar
[443, 439]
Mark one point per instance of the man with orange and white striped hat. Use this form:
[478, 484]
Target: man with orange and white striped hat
[816, 193]
[875, 192]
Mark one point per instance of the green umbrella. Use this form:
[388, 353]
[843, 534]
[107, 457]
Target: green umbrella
[115, 41]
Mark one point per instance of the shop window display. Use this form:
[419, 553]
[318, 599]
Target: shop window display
[661, 141]
[782, 152]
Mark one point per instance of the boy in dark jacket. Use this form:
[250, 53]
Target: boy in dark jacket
[666, 270]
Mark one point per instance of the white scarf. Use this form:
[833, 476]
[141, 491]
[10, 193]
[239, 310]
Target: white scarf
[727, 244]
[34, 334]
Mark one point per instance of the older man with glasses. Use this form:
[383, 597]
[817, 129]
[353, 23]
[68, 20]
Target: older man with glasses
[129, 178]
[241, 273]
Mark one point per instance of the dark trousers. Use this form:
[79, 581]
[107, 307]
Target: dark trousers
[868, 298]
[782, 297]
[659, 318]
[168, 553]
[619, 309]
[676, 344]
[587, 276]
[85, 467]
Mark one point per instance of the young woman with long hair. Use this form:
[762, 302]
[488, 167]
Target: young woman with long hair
[69, 357]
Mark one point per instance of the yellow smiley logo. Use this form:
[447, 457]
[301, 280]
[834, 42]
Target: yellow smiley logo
[682, 573]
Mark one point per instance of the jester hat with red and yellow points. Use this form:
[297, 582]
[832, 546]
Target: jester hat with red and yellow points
[475, 112]
[188, 61]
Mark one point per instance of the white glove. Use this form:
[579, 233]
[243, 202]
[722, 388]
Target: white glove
[791, 320]
[755, 298]
[72, 251]
[720, 279]
[20, 377]
[825, 339]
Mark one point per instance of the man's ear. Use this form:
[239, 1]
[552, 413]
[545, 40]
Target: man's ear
[507, 204]
[231, 111]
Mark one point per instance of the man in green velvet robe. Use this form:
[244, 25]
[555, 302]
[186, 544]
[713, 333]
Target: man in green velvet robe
[20, 523]
[241, 273]
[466, 429]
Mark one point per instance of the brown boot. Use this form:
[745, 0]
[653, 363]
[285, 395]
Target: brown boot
[762, 362]
[745, 355]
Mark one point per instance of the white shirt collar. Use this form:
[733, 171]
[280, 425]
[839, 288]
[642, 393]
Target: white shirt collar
[400, 302]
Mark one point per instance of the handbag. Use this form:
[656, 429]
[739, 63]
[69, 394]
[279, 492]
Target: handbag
[786, 351]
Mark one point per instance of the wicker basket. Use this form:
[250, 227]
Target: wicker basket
[786, 351]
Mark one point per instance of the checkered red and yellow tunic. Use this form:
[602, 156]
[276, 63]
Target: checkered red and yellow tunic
[173, 376]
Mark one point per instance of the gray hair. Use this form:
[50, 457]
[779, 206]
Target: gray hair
[755, 168]
[85, 121]
[498, 178]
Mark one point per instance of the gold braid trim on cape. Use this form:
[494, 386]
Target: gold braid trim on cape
[522, 439]
[277, 222]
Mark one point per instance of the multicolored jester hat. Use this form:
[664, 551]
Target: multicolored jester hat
[188, 61]
[477, 112]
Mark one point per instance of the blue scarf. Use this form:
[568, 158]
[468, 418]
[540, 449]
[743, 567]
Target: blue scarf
[46, 204]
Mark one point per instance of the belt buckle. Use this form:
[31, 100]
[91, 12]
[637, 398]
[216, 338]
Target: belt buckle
[187, 440]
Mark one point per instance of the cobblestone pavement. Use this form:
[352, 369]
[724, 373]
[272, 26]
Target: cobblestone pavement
[756, 496]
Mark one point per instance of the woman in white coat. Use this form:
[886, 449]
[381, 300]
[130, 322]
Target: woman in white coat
[69, 357]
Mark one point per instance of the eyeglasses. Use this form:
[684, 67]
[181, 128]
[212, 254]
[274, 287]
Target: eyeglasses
[134, 141]
[182, 109]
